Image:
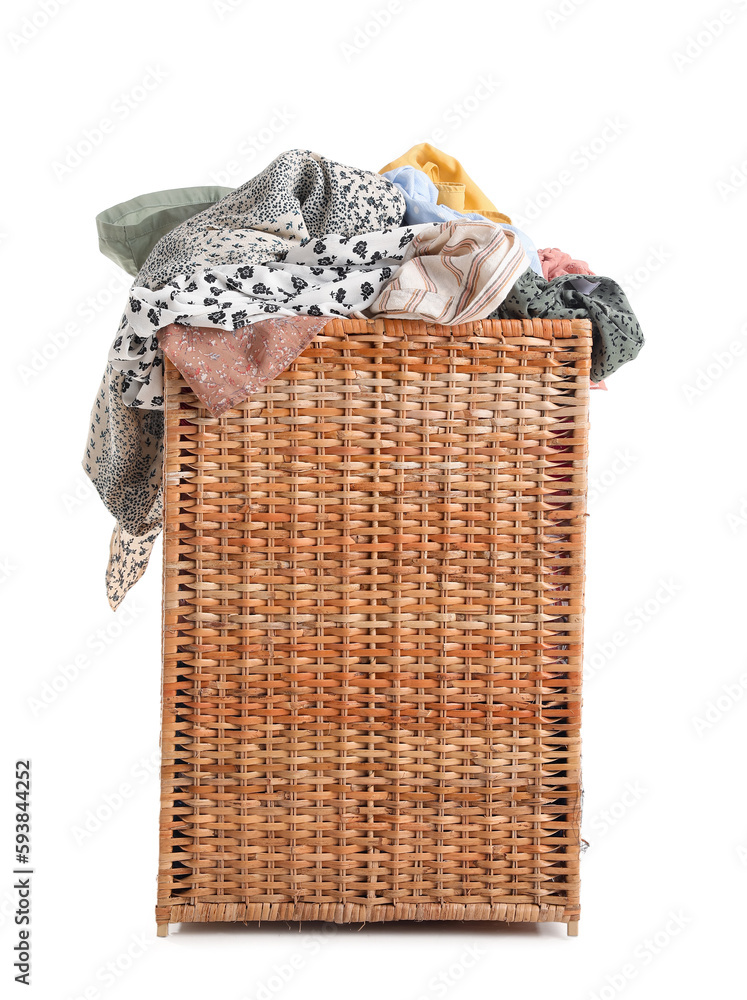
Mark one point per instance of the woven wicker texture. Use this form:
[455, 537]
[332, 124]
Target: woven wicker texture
[373, 597]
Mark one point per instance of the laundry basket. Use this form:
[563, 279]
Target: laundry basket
[373, 612]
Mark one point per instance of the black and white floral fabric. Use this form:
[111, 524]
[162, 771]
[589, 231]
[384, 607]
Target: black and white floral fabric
[299, 198]
[306, 237]
[124, 459]
[332, 275]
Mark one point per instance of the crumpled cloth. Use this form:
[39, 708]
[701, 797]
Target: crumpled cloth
[556, 263]
[448, 273]
[124, 459]
[617, 335]
[223, 368]
[299, 196]
[204, 277]
[453, 273]
[455, 187]
[422, 205]
[125, 470]
[330, 276]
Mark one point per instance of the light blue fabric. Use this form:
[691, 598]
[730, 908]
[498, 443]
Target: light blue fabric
[421, 199]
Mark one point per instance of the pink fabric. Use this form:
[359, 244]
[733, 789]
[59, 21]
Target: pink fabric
[555, 263]
[223, 367]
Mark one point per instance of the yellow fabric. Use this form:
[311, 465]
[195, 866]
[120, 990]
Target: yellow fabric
[449, 176]
[451, 195]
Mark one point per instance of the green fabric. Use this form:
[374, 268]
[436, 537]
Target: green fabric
[129, 231]
[616, 333]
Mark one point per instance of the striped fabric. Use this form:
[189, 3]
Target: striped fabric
[458, 272]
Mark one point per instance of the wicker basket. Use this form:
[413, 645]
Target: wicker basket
[373, 599]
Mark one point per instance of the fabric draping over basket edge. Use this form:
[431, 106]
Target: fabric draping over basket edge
[127, 471]
[134, 374]
[295, 183]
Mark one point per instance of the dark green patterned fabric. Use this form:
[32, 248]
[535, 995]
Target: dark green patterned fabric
[617, 336]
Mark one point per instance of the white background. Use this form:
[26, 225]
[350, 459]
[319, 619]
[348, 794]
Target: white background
[659, 207]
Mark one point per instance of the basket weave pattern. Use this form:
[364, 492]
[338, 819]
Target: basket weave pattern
[373, 597]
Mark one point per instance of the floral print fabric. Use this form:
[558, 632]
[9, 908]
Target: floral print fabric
[452, 272]
[331, 276]
[236, 292]
[448, 273]
[224, 368]
[124, 458]
[617, 335]
[300, 196]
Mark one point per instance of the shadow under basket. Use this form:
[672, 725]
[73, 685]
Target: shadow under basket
[373, 624]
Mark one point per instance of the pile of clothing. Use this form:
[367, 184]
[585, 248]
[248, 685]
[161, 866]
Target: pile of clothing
[232, 285]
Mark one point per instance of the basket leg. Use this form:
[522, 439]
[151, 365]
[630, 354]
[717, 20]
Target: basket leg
[572, 926]
[162, 930]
